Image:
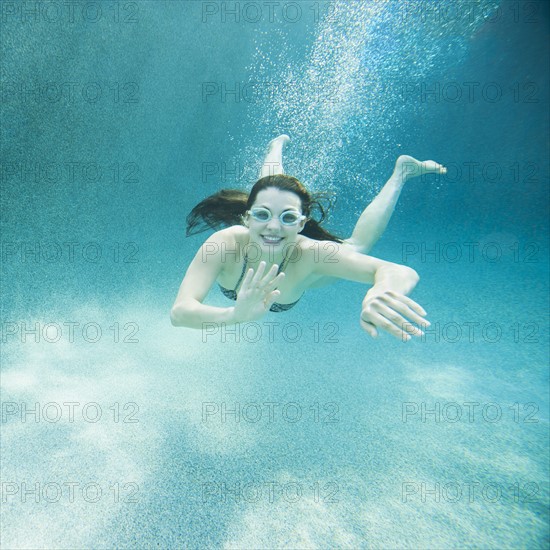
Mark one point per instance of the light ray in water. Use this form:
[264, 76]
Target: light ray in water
[349, 88]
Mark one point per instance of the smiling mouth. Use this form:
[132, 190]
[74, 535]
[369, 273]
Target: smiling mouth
[271, 239]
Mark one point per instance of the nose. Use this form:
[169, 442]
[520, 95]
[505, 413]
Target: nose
[274, 223]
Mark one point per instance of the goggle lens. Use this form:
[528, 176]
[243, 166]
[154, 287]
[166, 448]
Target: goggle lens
[289, 218]
[264, 215]
[261, 214]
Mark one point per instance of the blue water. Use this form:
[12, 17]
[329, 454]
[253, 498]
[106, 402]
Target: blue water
[300, 431]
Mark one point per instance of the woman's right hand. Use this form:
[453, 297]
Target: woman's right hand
[257, 293]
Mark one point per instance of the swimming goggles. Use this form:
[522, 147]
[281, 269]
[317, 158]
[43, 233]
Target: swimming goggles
[288, 217]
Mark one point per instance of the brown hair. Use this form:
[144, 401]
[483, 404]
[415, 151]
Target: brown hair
[226, 207]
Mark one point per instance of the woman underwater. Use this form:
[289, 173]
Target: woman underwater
[287, 253]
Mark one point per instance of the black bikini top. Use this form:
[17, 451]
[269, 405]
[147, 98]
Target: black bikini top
[275, 307]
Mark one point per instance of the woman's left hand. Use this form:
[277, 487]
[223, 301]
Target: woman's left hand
[257, 293]
[394, 313]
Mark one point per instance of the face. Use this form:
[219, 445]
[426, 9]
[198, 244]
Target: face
[273, 234]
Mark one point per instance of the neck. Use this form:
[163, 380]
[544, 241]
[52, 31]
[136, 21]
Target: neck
[271, 255]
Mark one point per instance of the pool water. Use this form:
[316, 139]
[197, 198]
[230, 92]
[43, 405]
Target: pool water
[297, 431]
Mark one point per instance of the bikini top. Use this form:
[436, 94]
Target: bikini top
[275, 307]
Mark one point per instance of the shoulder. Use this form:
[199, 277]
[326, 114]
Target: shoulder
[229, 235]
[309, 254]
[315, 250]
[238, 232]
[333, 259]
[216, 247]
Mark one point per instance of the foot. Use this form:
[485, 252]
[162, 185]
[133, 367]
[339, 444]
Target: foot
[278, 142]
[273, 162]
[408, 167]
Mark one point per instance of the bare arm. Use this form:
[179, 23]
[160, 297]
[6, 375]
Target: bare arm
[188, 309]
[385, 305]
[257, 293]
[339, 260]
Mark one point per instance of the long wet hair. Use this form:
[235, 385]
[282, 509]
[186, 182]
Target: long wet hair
[228, 206]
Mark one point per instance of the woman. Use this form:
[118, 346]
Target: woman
[286, 253]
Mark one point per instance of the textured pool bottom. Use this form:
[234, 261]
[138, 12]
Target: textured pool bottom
[311, 444]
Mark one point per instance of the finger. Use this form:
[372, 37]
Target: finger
[270, 285]
[408, 302]
[406, 326]
[271, 297]
[390, 309]
[269, 275]
[378, 320]
[381, 321]
[248, 278]
[259, 274]
[369, 327]
[405, 319]
[404, 308]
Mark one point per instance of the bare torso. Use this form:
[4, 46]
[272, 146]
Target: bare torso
[298, 270]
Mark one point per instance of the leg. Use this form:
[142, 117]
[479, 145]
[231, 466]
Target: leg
[273, 162]
[374, 219]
